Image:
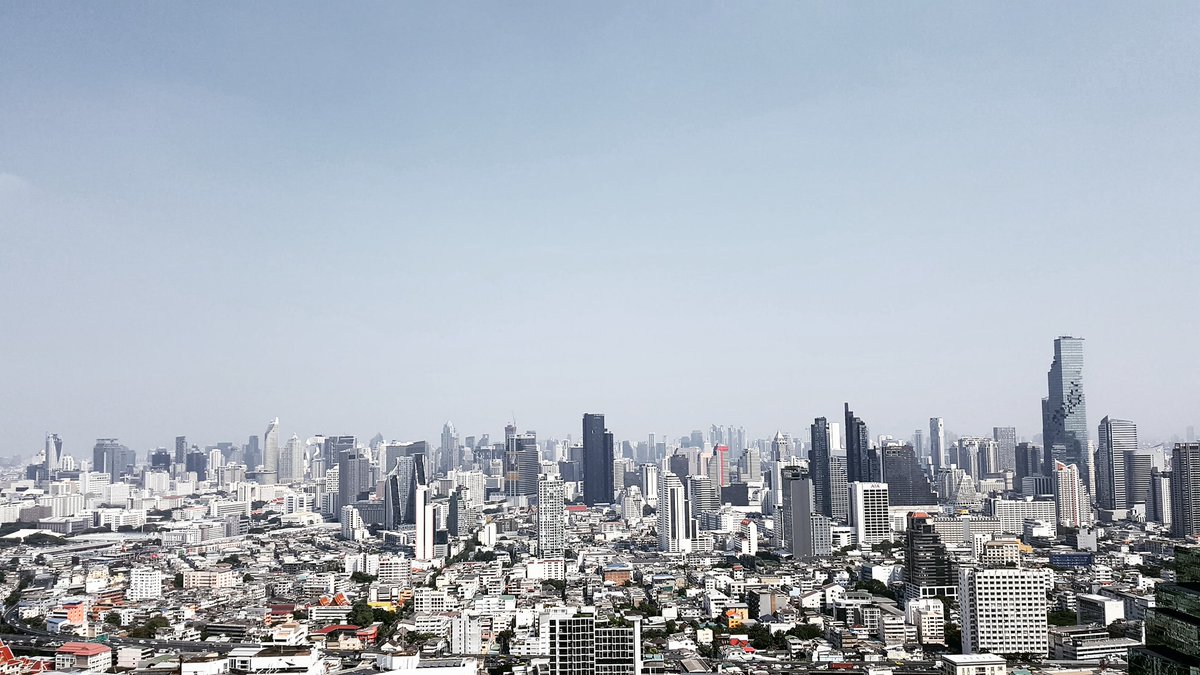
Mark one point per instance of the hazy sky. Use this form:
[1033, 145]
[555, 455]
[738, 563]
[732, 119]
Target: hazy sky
[375, 217]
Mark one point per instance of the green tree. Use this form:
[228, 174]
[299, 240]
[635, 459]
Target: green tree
[113, 619]
[362, 578]
[361, 613]
[178, 581]
[1063, 618]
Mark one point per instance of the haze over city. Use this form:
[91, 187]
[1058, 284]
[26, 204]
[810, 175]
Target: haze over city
[680, 215]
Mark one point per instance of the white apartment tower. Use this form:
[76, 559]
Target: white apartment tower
[1074, 509]
[1003, 611]
[271, 449]
[869, 514]
[144, 584]
[550, 518]
[673, 526]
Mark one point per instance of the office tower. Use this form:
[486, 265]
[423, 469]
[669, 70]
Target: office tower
[400, 490]
[1117, 437]
[790, 521]
[1172, 631]
[927, 569]
[1003, 611]
[839, 489]
[597, 461]
[551, 517]
[721, 457]
[965, 455]
[1138, 467]
[937, 442]
[521, 465]
[705, 498]
[674, 528]
[862, 465]
[750, 466]
[271, 451]
[819, 467]
[423, 548]
[450, 456]
[196, 461]
[908, 484]
[649, 483]
[102, 454]
[1064, 410]
[779, 448]
[918, 443]
[181, 449]
[869, 513]
[1028, 462]
[253, 453]
[1006, 448]
[53, 457]
[355, 476]
[332, 447]
[1158, 497]
[291, 461]
[160, 459]
[1070, 498]
[1185, 489]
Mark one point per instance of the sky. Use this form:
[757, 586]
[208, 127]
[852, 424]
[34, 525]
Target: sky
[376, 217]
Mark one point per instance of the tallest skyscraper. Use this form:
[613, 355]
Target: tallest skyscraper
[1064, 411]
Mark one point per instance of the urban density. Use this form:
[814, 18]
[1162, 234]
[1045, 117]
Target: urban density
[1067, 549]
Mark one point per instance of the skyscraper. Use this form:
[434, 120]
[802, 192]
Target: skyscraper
[551, 518]
[1185, 489]
[918, 442]
[180, 449]
[450, 456]
[271, 451]
[53, 457]
[103, 455]
[1028, 462]
[423, 548]
[908, 484]
[400, 490]
[1117, 437]
[253, 454]
[869, 514]
[354, 476]
[1064, 410]
[704, 496]
[1070, 497]
[927, 569]
[521, 465]
[862, 464]
[1006, 448]
[674, 530]
[937, 443]
[597, 461]
[839, 489]
[818, 465]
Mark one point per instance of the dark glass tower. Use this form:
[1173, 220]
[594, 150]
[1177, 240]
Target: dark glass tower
[907, 483]
[927, 568]
[818, 463]
[1064, 410]
[1185, 489]
[1172, 633]
[597, 461]
[1029, 462]
[862, 465]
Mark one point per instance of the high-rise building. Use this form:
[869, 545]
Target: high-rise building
[869, 515]
[1117, 437]
[1070, 497]
[53, 457]
[145, 583]
[799, 527]
[721, 458]
[102, 454]
[750, 466]
[423, 548]
[704, 496]
[908, 484]
[1006, 448]
[674, 514]
[1138, 467]
[927, 569]
[1158, 497]
[862, 463]
[355, 476]
[332, 447]
[291, 461]
[449, 454]
[181, 448]
[400, 490]
[552, 538]
[819, 467]
[1172, 626]
[937, 443]
[1185, 489]
[1003, 611]
[1064, 410]
[253, 453]
[521, 464]
[271, 451]
[598, 458]
[918, 443]
[1028, 462]
[839, 489]
[580, 644]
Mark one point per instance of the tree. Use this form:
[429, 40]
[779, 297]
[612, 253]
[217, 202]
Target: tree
[113, 619]
[247, 578]
[504, 639]
[178, 581]
[148, 630]
[361, 613]
[362, 578]
[1063, 618]
[953, 638]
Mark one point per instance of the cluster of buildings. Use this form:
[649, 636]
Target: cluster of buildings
[696, 553]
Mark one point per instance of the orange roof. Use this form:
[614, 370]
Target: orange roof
[83, 649]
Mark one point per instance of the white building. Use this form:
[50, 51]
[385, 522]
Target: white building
[551, 518]
[1071, 498]
[144, 584]
[869, 513]
[929, 617]
[973, 664]
[673, 525]
[1003, 611]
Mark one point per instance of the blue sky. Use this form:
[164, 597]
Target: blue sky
[379, 216]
